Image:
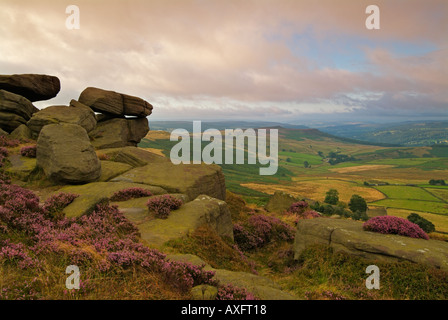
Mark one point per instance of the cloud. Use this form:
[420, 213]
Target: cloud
[233, 58]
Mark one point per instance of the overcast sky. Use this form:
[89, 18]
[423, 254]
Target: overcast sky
[277, 60]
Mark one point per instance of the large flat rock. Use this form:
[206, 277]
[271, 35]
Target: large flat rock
[348, 236]
[189, 179]
[34, 87]
[92, 193]
[114, 103]
[186, 219]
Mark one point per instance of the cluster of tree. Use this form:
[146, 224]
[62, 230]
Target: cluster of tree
[337, 157]
[435, 182]
[357, 206]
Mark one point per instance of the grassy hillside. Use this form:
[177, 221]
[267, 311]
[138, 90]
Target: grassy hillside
[311, 162]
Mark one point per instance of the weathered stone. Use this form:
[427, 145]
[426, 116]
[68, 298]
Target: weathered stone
[13, 103]
[83, 117]
[186, 219]
[348, 236]
[10, 121]
[111, 169]
[133, 156]
[189, 179]
[119, 132]
[93, 193]
[111, 102]
[65, 154]
[22, 133]
[34, 87]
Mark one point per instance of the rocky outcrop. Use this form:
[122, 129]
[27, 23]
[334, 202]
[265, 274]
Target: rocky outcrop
[121, 120]
[348, 236]
[65, 154]
[14, 110]
[113, 103]
[82, 116]
[34, 87]
[189, 179]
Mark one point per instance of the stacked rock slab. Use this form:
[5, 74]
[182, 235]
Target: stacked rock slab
[34, 87]
[121, 120]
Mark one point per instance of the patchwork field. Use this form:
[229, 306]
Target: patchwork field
[316, 189]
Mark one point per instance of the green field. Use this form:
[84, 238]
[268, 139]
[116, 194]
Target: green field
[299, 158]
[417, 205]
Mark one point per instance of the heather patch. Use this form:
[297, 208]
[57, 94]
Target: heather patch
[260, 230]
[395, 225]
[130, 193]
[161, 206]
[28, 151]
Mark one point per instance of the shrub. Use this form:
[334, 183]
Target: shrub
[426, 225]
[56, 203]
[332, 197]
[260, 230]
[298, 207]
[130, 193]
[357, 203]
[360, 215]
[161, 206]
[28, 151]
[394, 225]
[230, 292]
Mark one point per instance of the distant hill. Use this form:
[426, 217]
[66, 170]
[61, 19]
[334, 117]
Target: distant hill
[220, 125]
[316, 134]
[421, 133]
